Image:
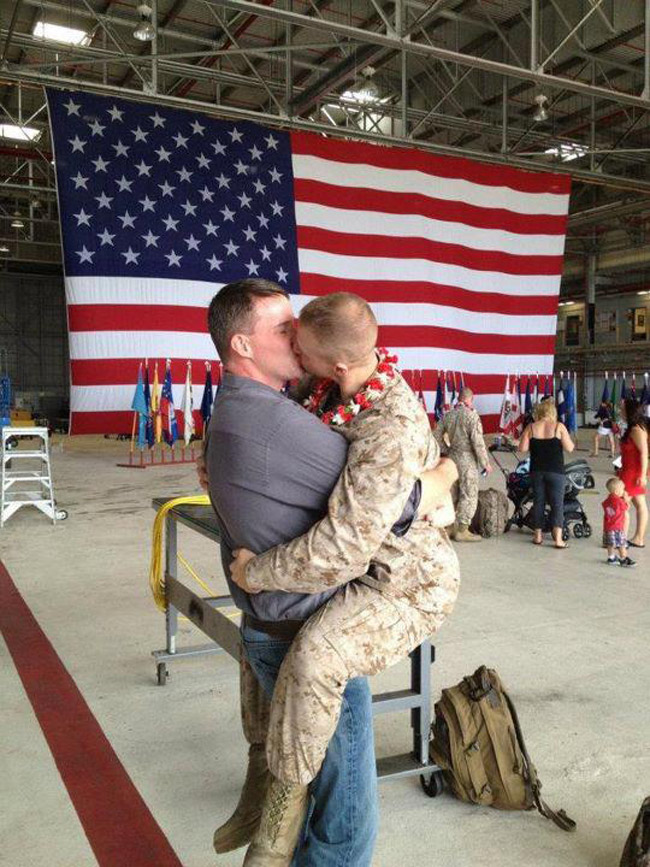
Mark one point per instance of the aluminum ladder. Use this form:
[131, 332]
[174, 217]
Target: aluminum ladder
[30, 486]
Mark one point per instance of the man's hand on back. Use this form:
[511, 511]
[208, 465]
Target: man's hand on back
[436, 484]
[241, 557]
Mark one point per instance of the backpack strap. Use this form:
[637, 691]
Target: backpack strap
[558, 817]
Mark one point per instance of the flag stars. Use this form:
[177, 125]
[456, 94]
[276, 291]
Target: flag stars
[252, 268]
[271, 143]
[100, 164]
[231, 248]
[249, 234]
[197, 129]
[214, 263]
[121, 150]
[104, 201]
[210, 228]
[147, 204]
[150, 239]
[105, 237]
[223, 181]
[235, 135]
[241, 167]
[203, 161]
[163, 155]
[189, 208]
[192, 243]
[277, 208]
[79, 181]
[77, 144]
[174, 258]
[206, 194]
[83, 219]
[245, 201]
[130, 257]
[266, 254]
[228, 215]
[143, 168]
[96, 128]
[127, 220]
[115, 113]
[157, 119]
[184, 175]
[255, 152]
[181, 140]
[282, 275]
[124, 185]
[170, 223]
[85, 255]
[167, 189]
[263, 221]
[72, 107]
[259, 186]
[219, 149]
[279, 242]
[275, 175]
[139, 134]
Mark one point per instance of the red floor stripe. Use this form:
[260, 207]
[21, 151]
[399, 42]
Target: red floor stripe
[117, 822]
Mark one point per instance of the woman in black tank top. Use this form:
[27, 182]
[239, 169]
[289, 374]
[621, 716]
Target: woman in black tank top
[547, 468]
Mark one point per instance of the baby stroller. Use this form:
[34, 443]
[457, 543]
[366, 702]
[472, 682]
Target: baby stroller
[519, 489]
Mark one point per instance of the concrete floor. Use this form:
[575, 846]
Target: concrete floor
[568, 635]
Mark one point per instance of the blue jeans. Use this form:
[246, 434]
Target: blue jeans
[341, 827]
[548, 488]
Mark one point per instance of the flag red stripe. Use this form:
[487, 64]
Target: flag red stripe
[362, 199]
[137, 317]
[117, 822]
[396, 157]
[464, 341]
[386, 247]
[431, 293]
[124, 371]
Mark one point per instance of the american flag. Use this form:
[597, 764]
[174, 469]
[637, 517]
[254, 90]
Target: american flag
[160, 207]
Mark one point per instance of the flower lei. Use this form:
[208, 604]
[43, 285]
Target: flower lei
[363, 399]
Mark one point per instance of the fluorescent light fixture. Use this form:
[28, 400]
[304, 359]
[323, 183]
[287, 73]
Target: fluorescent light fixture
[4, 249]
[568, 151]
[645, 292]
[17, 223]
[57, 33]
[20, 133]
[565, 303]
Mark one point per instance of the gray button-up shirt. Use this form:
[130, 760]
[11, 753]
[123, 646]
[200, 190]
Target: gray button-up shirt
[271, 468]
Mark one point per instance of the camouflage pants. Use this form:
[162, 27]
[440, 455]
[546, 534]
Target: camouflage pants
[466, 488]
[255, 706]
[358, 632]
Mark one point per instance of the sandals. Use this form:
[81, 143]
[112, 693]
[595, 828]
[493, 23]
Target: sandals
[634, 545]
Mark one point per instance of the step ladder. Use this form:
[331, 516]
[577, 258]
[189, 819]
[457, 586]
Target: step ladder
[25, 473]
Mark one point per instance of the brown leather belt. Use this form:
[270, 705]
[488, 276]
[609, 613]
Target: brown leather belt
[286, 629]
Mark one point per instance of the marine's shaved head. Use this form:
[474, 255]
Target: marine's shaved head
[465, 393]
[344, 324]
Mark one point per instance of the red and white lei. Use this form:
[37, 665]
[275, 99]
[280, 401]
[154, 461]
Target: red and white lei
[363, 399]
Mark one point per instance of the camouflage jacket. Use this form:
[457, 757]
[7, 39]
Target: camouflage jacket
[390, 445]
[464, 431]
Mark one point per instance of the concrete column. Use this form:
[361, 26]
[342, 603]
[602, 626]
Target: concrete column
[590, 300]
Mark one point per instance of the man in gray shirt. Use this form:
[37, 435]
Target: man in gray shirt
[271, 467]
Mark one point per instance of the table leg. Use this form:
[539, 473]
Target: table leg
[171, 569]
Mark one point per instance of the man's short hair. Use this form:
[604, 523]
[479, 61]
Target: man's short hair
[465, 393]
[344, 323]
[232, 310]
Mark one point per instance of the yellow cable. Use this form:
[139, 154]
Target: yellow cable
[156, 569]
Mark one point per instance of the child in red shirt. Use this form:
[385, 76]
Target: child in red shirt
[615, 507]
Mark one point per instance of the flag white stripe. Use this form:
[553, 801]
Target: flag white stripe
[97, 345]
[354, 222]
[421, 270]
[139, 290]
[412, 181]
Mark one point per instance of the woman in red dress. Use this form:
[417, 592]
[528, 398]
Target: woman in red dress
[633, 473]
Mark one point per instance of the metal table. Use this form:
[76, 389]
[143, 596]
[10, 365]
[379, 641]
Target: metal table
[224, 635]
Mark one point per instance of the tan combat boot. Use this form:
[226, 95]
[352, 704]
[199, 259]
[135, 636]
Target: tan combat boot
[283, 816]
[463, 534]
[244, 822]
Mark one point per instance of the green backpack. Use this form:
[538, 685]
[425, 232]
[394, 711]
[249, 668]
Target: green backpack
[477, 741]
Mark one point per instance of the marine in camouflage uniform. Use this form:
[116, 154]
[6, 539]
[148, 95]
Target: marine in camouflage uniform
[462, 428]
[372, 622]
